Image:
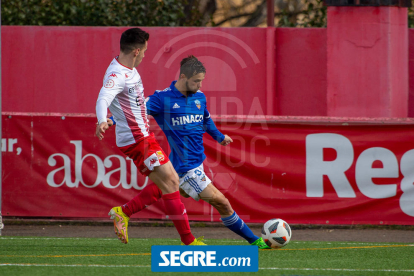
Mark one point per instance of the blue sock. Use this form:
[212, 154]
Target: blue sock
[237, 225]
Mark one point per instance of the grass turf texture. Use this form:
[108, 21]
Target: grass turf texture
[89, 256]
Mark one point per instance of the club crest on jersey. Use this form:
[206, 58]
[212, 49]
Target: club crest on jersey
[109, 84]
[197, 103]
[160, 155]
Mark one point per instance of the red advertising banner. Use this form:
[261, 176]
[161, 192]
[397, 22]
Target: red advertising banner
[54, 166]
[310, 173]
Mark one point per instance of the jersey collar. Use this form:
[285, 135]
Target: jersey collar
[116, 59]
[176, 92]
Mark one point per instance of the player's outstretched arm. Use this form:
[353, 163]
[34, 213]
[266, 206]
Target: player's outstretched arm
[114, 83]
[211, 128]
[227, 140]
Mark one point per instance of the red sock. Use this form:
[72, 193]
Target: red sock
[175, 209]
[149, 195]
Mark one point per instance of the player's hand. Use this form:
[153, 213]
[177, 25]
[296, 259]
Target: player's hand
[100, 129]
[227, 140]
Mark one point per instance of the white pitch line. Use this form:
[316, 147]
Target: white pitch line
[339, 269]
[262, 268]
[115, 239]
[360, 243]
[234, 241]
[74, 265]
[40, 238]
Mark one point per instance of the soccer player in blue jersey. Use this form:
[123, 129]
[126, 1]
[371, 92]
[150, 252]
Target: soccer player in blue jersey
[181, 112]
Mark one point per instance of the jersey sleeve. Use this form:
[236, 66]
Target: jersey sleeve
[154, 104]
[211, 128]
[113, 84]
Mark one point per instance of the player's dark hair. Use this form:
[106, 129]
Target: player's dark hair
[191, 66]
[132, 39]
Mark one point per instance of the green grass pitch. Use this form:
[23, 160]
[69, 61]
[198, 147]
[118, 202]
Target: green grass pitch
[93, 256]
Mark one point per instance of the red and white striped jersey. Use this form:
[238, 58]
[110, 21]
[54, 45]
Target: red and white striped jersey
[123, 93]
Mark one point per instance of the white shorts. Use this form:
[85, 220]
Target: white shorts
[194, 181]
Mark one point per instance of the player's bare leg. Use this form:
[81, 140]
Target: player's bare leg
[229, 217]
[166, 179]
[216, 199]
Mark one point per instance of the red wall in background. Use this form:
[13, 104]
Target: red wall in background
[301, 71]
[60, 69]
[411, 72]
[367, 62]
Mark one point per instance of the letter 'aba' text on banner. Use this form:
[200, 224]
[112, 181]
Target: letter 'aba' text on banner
[303, 173]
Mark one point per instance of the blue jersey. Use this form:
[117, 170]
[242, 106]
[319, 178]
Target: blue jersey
[184, 120]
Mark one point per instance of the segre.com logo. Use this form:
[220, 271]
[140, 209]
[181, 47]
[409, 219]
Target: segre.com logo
[211, 258]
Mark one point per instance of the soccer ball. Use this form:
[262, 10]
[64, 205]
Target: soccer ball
[276, 233]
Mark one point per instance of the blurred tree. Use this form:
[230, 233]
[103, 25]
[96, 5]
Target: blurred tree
[411, 16]
[223, 13]
[288, 13]
[101, 12]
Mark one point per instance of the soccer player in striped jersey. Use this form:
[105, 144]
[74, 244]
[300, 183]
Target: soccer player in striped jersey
[123, 94]
[181, 112]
